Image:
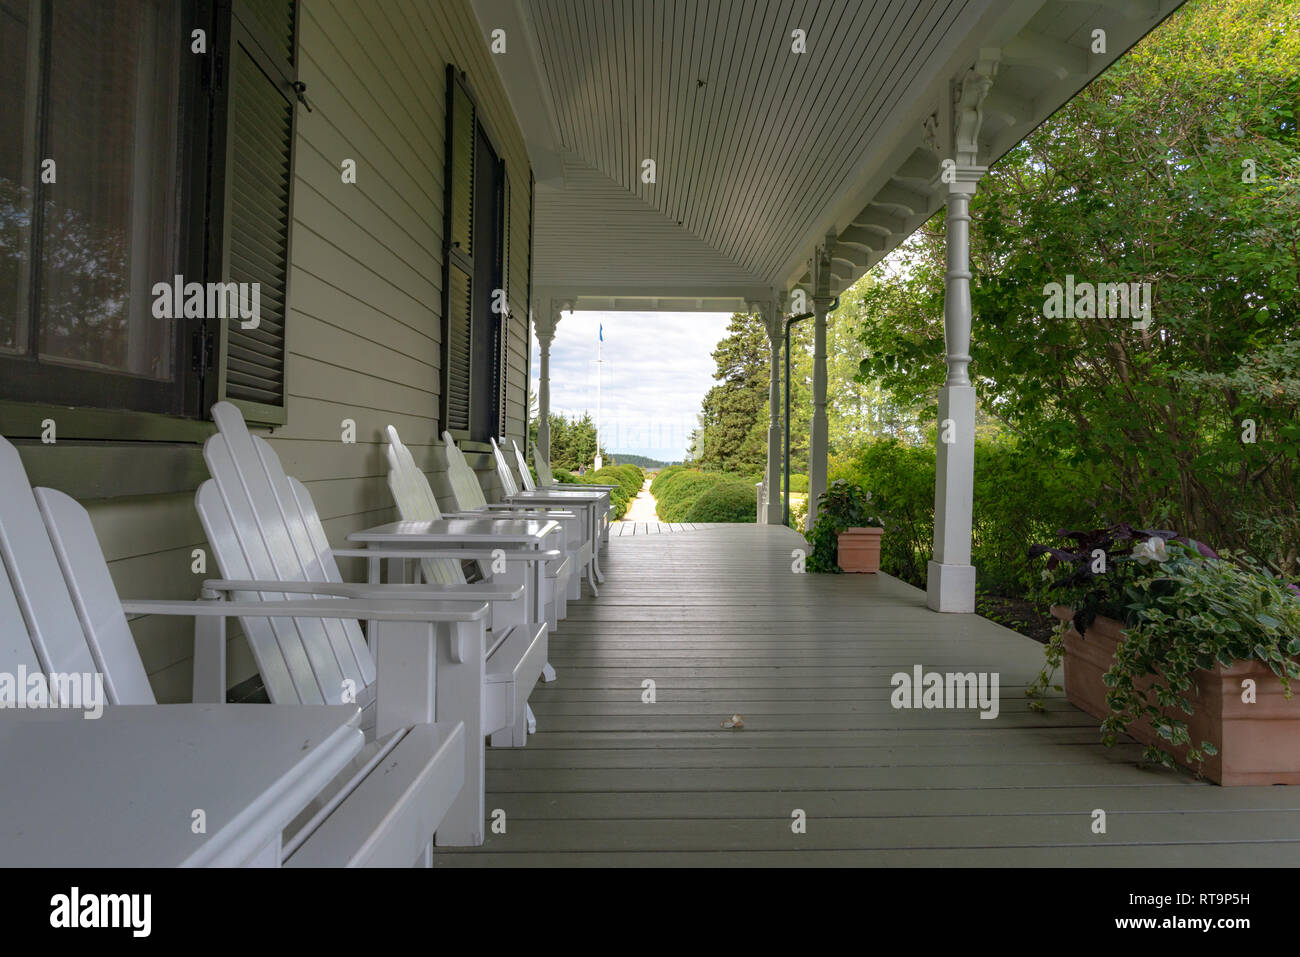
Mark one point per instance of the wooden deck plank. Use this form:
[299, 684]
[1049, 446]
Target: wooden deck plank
[716, 617]
[918, 803]
[1138, 855]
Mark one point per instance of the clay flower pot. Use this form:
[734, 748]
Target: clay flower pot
[858, 549]
[1257, 743]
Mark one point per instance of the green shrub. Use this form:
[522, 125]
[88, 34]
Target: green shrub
[902, 476]
[627, 478]
[798, 483]
[1019, 499]
[676, 496]
[680, 492]
[726, 501]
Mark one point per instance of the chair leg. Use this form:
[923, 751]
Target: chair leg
[516, 735]
[460, 698]
[548, 672]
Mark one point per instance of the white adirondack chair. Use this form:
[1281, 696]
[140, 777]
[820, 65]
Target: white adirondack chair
[416, 502]
[268, 539]
[547, 479]
[544, 472]
[469, 500]
[60, 614]
[468, 493]
[594, 499]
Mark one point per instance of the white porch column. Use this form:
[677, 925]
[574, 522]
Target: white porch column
[545, 325]
[951, 577]
[817, 439]
[773, 319]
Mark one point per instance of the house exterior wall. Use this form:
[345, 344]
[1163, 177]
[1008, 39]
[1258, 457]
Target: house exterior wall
[364, 327]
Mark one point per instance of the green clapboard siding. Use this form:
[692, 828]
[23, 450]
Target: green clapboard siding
[364, 321]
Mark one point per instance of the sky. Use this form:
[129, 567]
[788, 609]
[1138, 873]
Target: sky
[656, 368]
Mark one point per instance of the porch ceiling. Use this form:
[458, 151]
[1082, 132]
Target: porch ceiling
[760, 152]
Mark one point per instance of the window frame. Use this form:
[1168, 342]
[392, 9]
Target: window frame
[142, 452]
[56, 390]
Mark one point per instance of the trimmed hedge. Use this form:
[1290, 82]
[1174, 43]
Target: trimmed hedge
[690, 495]
[628, 478]
[725, 502]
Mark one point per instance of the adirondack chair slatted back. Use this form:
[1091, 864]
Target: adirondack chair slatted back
[59, 610]
[525, 475]
[464, 483]
[416, 503]
[508, 484]
[263, 525]
[544, 476]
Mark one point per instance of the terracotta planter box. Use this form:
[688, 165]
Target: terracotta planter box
[858, 549]
[1257, 743]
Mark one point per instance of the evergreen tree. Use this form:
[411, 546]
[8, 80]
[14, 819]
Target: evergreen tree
[730, 441]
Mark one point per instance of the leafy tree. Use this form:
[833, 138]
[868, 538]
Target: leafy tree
[1179, 167]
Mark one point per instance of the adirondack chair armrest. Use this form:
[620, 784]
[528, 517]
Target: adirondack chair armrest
[367, 609]
[578, 487]
[511, 554]
[429, 592]
[515, 510]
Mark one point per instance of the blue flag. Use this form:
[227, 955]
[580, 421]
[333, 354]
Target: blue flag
[602, 332]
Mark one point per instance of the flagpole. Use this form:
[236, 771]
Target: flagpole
[599, 341]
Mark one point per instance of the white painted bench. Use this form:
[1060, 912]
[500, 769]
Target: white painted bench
[334, 805]
[268, 540]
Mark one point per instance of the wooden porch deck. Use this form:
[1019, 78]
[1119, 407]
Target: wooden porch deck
[620, 529]
[716, 618]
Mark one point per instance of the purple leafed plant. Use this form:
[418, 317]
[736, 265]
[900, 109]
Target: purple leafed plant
[1092, 592]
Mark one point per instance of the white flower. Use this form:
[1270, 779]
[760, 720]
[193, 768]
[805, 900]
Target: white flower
[1047, 575]
[1152, 550]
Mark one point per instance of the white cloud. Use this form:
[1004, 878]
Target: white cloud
[656, 368]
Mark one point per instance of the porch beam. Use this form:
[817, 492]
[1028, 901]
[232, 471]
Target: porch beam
[1042, 52]
[892, 194]
[861, 237]
[823, 261]
[1130, 9]
[950, 585]
[874, 217]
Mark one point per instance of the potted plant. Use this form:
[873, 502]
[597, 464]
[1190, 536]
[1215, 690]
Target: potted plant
[846, 535]
[1189, 652]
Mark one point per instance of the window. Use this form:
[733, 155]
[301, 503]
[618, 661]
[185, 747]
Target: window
[128, 159]
[476, 264]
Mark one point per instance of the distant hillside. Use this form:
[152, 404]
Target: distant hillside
[624, 459]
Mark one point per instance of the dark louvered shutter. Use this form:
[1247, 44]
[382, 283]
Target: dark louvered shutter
[458, 258]
[528, 305]
[502, 344]
[258, 201]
